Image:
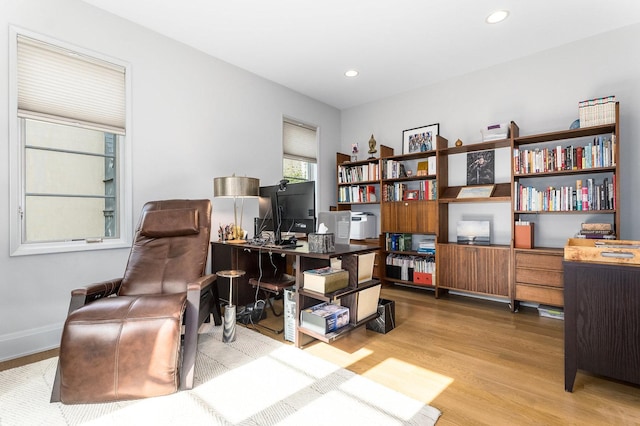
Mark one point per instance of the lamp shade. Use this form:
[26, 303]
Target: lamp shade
[236, 186]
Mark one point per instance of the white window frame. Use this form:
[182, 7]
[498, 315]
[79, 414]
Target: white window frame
[17, 164]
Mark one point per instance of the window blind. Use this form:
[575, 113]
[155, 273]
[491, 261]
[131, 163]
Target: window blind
[61, 86]
[299, 142]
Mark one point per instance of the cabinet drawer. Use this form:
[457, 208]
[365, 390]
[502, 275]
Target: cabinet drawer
[544, 295]
[539, 261]
[539, 277]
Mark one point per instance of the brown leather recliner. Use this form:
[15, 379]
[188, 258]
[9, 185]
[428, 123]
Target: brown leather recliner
[122, 338]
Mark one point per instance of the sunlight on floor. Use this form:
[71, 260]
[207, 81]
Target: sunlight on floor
[416, 382]
[337, 356]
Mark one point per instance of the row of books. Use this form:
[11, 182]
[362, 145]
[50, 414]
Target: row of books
[398, 241]
[599, 153]
[362, 173]
[397, 191]
[597, 111]
[357, 194]
[418, 269]
[587, 196]
[392, 169]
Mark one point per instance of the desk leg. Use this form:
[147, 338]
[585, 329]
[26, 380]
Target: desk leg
[299, 278]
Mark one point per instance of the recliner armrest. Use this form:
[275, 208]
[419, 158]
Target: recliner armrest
[83, 295]
[201, 283]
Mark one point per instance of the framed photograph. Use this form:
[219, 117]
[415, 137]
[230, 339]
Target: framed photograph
[476, 191]
[411, 194]
[420, 139]
[480, 167]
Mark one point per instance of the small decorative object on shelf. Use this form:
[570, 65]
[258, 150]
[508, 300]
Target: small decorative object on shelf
[458, 142]
[476, 191]
[354, 152]
[372, 147]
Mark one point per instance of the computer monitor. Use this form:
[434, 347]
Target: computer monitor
[287, 208]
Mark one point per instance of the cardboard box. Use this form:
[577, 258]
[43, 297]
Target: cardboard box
[386, 320]
[324, 318]
[610, 251]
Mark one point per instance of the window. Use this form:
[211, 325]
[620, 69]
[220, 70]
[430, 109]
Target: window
[299, 162]
[69, 151]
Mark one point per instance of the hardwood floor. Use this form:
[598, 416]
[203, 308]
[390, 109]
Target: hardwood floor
[478, 363]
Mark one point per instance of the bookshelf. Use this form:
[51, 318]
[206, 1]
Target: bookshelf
[359, 181]
[409, 217]
[547, 169]
[479, 269]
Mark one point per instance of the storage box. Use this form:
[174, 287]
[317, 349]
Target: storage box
[365, 266]
[610, 251]
[523, 237]
[325, 280]
[324, 318]
[423, 278]
[386, 320]
[367, 302]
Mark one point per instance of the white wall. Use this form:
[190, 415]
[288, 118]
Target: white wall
[194, 118]
[540, 93]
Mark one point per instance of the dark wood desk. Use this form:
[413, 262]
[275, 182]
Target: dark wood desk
[272, 260]
[601, 320]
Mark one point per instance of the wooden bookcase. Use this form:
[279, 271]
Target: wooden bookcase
[479, 269]
[538, 273]
[498, 270]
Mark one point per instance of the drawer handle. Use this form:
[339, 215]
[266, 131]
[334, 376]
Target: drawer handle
[617, 254]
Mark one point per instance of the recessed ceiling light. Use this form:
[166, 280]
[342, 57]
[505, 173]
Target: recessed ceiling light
[351, 73]
[497, 16]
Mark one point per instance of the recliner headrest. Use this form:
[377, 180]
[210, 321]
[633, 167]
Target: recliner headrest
[169, 223]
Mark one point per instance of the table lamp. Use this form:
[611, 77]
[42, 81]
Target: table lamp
[236, 187]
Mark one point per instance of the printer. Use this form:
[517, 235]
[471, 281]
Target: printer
[363, 225]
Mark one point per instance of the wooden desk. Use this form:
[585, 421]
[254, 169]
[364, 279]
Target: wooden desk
[601, 320]
[272, 260]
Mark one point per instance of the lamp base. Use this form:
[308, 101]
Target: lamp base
[229, 327]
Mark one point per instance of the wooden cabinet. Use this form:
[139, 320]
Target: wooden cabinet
[547, 171]
[538, 276]
[409, 217]
[477, 269]
[602, 321]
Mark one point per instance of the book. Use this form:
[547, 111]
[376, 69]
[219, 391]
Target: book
[325, 280]
[596, 227]
[324, 317]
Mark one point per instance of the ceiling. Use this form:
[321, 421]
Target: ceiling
[396, 45]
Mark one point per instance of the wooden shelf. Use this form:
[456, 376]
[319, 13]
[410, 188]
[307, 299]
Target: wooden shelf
[565, 172]
[565, 134]
[501, 193]
[482, 146]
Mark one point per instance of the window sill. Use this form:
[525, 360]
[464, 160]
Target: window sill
[68, 246]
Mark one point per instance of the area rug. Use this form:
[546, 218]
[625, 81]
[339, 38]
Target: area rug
[252, 381]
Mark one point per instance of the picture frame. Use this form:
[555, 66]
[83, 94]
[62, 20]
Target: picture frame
[420, 138]
[481, 167]
[411, 194]
[476, 191]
